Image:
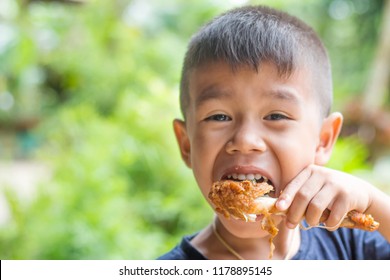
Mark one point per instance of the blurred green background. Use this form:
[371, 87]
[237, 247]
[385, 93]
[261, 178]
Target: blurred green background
[89, 166]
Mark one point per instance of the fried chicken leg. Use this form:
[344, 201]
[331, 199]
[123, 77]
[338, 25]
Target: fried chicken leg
[246, 200]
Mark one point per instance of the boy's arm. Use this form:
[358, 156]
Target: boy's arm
[318, 188]
[380, 210]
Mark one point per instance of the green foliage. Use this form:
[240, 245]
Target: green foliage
[349, 155]
[117, 192]
[118, 188]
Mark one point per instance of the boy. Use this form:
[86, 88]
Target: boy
[256, 93]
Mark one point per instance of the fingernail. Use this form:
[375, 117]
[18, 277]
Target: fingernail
[282, 204]
[290, 225]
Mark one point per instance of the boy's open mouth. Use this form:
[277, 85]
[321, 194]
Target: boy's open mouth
[239, 177]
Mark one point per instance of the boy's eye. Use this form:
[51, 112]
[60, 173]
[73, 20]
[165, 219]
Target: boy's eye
[219, 118]
[276, 117]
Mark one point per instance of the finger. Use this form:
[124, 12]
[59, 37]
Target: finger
[303, 198]
[288, 194]
[338, 210]
[318, 205]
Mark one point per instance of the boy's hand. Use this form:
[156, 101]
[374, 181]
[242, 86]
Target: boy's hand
[317, 188]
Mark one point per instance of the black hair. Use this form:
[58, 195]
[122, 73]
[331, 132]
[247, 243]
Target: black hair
[251, 35]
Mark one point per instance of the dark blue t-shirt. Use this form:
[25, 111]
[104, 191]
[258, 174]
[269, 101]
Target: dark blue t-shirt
[316, 244]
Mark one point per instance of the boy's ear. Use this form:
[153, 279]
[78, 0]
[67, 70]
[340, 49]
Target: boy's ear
[329, 133]
[182, 139]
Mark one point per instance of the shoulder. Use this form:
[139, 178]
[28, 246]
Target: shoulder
[183, 251]
[342, 244]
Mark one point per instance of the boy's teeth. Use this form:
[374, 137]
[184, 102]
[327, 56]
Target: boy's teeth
[249, 177]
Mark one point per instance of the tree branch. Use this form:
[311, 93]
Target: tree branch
[378, 83]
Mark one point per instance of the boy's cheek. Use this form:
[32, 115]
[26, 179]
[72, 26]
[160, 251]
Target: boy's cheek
[291, 171]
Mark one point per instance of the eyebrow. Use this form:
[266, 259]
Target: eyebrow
[210, 93]
[287, 94]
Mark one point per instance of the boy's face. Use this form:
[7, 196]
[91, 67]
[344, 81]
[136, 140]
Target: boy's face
[248, 123]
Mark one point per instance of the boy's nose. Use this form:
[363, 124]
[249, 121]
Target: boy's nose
[246, 139]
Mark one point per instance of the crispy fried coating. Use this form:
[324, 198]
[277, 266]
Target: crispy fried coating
[236, 199]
